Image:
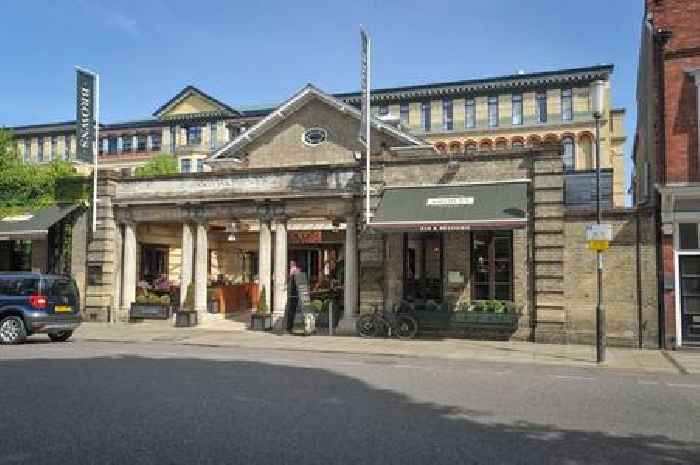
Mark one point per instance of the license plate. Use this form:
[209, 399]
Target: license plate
[63, 308]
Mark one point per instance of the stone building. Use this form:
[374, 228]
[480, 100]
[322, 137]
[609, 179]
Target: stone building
[446, 227]
[521, 110]
[667, 168]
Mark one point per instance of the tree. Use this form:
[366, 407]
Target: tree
[158, 165]
[8, 148]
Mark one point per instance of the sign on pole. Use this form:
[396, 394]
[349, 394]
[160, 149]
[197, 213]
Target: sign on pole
[364, 86]
[599, 236]
[85, 115]
[87, 126]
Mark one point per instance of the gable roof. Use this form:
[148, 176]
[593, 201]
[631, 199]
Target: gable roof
[192, 90]
[306, 94]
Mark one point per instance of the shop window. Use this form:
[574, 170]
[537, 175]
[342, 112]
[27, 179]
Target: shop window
[492, 265]
[154, 262]
[688, 236]
[423, 265]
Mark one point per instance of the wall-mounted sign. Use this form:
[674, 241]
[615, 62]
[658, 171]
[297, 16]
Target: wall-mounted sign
[598, 236]
[449, 201]
[445, 227]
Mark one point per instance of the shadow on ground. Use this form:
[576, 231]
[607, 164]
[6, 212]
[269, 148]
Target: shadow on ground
[182, 411]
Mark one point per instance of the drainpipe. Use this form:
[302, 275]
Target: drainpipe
[640, 324]
[661, 38]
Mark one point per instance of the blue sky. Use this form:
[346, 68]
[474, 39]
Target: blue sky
[258, 52]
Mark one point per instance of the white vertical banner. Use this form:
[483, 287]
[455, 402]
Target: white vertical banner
[365, 85]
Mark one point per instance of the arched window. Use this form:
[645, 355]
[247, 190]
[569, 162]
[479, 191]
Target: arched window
[585, 144]
[568, 155]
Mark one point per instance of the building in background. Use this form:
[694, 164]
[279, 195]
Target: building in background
[667, 159]
[522, 110]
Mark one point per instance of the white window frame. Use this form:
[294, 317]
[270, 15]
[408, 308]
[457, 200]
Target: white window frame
[677, 253]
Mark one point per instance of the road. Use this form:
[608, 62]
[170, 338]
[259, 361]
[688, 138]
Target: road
[116, 403]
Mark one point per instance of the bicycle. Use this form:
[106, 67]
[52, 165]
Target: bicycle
[382, 322]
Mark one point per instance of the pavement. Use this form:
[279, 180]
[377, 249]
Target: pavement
[625, 359]
[163, 402]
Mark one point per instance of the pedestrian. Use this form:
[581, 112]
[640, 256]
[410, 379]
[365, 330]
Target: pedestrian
[297, 281]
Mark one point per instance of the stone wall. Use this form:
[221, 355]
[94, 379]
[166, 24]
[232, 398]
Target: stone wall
[624, 300]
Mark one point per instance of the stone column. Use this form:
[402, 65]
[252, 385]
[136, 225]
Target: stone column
[265, 261]
[201, 276]
[128, 269]
[347, 324]
[186, 263]
[281, 272]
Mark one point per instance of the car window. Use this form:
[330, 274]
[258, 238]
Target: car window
[60, 288]
[18, 287]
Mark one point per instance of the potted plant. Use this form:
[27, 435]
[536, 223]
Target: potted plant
[261, 318]
[187, 317]
[150, 306]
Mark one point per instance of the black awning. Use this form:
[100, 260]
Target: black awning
[34, 225]
[475, 206]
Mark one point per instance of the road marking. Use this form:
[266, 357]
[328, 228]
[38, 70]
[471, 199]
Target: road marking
[574, 378]
[650, 383]
[694, 386]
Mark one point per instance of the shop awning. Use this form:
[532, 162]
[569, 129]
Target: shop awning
[34, 225]
[445, 208]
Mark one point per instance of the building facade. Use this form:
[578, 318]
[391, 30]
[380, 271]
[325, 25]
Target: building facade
[522, 110]
[445, 230]
[667, 168]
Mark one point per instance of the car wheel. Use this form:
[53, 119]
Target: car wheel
[12, 330]
[61, 336]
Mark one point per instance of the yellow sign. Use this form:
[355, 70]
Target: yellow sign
[598, 245]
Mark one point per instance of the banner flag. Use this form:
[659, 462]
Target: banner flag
[85, 116]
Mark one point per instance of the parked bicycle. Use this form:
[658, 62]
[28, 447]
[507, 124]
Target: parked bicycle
[383, 322]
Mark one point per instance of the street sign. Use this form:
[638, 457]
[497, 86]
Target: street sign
[599, 236]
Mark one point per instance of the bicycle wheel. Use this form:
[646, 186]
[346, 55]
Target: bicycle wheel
[406, 327]
[366, 326]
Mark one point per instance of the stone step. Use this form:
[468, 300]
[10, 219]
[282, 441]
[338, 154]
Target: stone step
[236, 322]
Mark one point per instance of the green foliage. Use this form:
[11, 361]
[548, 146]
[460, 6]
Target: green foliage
[31, 186]
[262, 301]
[141, 299]
[317, 305]
[161, 164]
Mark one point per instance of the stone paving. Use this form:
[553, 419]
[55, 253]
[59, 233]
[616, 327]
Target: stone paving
[648, 361]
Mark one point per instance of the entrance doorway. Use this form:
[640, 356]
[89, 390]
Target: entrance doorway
[690, 297]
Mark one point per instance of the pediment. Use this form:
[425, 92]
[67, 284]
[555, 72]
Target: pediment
[192, 102]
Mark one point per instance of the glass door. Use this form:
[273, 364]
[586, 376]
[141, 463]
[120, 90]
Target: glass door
[690, 297]
[492, 265]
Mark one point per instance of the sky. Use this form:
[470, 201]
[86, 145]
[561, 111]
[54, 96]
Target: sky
[259, 52]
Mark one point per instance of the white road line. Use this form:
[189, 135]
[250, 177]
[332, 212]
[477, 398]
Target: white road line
[649, 383]
[694, 386]
[574, 378]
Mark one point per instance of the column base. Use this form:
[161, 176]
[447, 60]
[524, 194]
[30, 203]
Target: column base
[347, 326]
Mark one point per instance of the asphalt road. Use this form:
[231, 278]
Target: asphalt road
[111, 403]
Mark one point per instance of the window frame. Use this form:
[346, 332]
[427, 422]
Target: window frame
[567, 95]
[156, 136]
[193, 135]
[517, 102]
[27, 149]
[213, 132]
[491, 237]
[426, 115]
[448, 114]
[469, 113]
[564, 143]
[40, 149]
[493, 111]
[541, 106]
[185, 162]
[404, 113]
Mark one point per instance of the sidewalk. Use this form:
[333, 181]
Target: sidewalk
[646, 361]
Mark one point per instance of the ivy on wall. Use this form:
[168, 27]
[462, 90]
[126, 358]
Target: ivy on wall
[31, 186]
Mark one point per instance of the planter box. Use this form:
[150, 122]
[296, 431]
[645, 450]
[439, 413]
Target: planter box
[185, 319]
[149, 311]
[440, 319]
[261, 321]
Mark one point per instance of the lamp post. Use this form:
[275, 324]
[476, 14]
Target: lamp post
[597, 100]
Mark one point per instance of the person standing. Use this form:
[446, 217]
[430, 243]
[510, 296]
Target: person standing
[297, 280]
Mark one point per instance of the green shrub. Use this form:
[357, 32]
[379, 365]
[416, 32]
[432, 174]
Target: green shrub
[141, 299]
[262, 301]
[159, 165]
[165, 299]
[317, 305]
[477, 306]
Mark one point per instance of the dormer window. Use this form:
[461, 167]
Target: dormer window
[314, 136]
